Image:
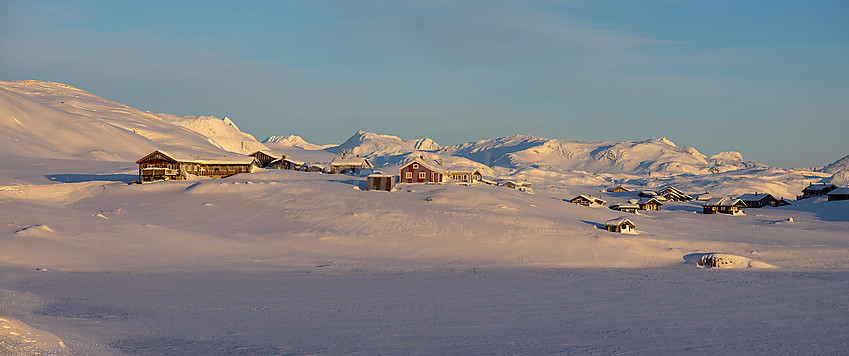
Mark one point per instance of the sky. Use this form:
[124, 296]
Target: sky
[766, 78]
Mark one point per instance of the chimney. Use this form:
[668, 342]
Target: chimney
[344, 154]
[421, 156]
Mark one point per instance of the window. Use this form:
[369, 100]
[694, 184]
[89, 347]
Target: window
[409, 175]
[465, 177]
[422, 175]
[415, 166]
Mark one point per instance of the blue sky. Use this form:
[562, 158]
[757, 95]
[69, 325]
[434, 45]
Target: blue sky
[767, 78]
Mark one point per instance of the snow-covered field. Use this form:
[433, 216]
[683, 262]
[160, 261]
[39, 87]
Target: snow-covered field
[285, 262]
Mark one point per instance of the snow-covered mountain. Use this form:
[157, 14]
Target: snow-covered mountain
[654, 156]
[294, 141]
[54, 120]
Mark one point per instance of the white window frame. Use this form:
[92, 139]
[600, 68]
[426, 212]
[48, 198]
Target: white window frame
[422, 175]
[415, 166]
[409, 175]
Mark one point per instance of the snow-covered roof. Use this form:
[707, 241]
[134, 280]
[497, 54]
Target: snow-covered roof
[644, 201]
[818, 187]
[591, 198]
[724, 201]
[293, 161]
[354, 161]
[618, 222]
[839, 191]
[268, 153]
[429, 164]
[207, 160]
[755, 197]
[627, 206]
[379, 175]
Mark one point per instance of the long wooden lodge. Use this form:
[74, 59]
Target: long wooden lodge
[160, 165]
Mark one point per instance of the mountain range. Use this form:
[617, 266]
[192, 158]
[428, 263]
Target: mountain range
[55, 120]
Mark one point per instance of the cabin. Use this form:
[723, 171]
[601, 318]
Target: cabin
[523, 186]
[761, 200]
[838, 194]
[467, 175]
[286, 163]
[649, 204]
[356, 165]
[420, 170]
[626, 207]
[671, 193]
[587, 200]
[618, 189]
[379, 181]
[159, 165]
[265, 158]
[724, 205]
[816, 190]
[704, 196]
[620, 225]
[647, 194]
[315, 167]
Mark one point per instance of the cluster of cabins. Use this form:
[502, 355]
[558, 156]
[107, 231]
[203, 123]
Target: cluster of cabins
[160, 165]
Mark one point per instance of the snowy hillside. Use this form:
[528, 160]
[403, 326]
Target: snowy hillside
[54, 120]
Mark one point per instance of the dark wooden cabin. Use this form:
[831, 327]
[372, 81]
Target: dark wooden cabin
[160, 165]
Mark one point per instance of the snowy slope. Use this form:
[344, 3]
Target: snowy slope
[55, 120]
[294, 141]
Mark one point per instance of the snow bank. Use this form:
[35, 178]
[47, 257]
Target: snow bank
[724, 260]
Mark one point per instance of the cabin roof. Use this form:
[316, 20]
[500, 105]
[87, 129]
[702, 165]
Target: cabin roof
[818, 187]
[756, 197]
[429, 164]
[645, 201]
[590, 198]
[619, 222]
[724, 201]
[206, 160]
[355, 161]
[839, 191]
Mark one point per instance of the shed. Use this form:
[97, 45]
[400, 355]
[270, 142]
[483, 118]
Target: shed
[355, 165]
[620, 225]
[378, 181]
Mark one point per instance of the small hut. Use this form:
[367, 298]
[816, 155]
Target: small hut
[587, 200]
[618, 189]
[626, 207]
[724, 205]
[620, 225]
[379, 181]
[650, 204]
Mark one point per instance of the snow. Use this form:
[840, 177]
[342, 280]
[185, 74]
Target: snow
[288, 262]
